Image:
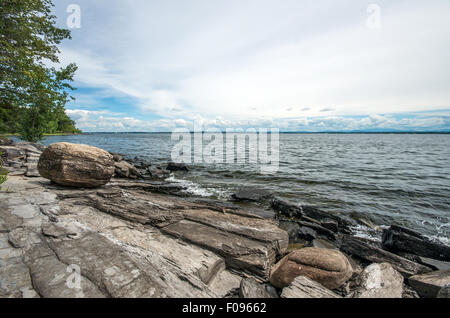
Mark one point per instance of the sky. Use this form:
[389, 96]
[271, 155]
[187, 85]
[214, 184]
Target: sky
[296, 65]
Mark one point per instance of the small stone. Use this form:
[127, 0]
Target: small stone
[125, 169]
[444, 292]
[18, 237]
[250, 288]
[55, 231]
[172, 166]
[307, 233]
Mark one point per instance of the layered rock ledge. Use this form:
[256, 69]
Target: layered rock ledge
[127, 242]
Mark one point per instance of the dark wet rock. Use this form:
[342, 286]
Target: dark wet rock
[172, 166]
[434, 264]
[272, 291]
[330, 268]
[320, 230]
[304, 287]
[156, 173]
[251, 194]
[125, 170]
[307, 233]
[444, 292]
[153, 186]
[308, 213]
[429, 285]
[76, 165]
[139, 169]
[330, 224]
[371, 253]
[292, 228]
[399, 239]
[117, 157]
[250, 288]
[409, 292]
[321, 243]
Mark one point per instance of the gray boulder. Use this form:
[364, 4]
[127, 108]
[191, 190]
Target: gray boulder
[380, 281]
[76, 165]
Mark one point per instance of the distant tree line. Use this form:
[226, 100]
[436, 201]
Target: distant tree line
[33, 93]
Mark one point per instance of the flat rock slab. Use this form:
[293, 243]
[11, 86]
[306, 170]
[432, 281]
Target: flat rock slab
[240, 253]
[429, 285]
[303, 287]
[261, 230]
[15, 280]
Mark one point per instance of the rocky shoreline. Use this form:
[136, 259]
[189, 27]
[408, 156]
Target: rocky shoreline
[135, 235]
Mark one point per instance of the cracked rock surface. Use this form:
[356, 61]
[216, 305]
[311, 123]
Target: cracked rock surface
[126, 239]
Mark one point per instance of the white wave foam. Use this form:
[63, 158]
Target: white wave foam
[365, 232]
[443, 239]
[193, 188]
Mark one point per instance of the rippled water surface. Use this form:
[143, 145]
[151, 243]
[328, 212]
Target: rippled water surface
[387, 178]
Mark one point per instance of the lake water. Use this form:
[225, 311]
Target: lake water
[388, 179]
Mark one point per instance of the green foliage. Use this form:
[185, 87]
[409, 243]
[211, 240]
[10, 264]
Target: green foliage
[32, 94]
[3, 172]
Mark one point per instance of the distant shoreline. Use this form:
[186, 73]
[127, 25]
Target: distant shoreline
[46, 135]
[298, 133]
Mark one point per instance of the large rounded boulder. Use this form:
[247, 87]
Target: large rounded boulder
[76, 165]
[328, 267]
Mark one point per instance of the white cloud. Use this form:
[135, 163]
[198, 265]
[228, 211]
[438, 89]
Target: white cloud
[90, 121]
[253, 60]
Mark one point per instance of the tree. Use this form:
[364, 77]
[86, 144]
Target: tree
[32, 92]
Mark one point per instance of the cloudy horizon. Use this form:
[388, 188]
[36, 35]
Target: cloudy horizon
[295, 65]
